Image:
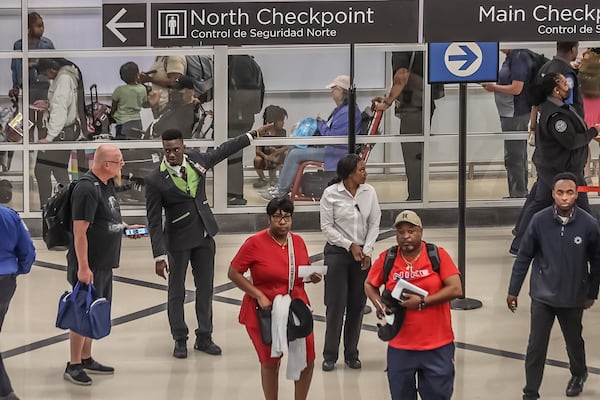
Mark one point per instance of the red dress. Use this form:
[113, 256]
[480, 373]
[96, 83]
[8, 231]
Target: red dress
[269, 268]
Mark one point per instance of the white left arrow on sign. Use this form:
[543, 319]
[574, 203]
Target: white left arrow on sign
[114, 25]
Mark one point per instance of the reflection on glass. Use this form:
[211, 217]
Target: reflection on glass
[246, 93]
[271, 158]
[11, 179]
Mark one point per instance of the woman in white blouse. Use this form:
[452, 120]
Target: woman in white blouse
[350, 217]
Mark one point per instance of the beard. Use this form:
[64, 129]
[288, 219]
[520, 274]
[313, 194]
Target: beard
[118, 180]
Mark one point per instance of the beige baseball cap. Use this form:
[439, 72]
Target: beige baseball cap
[342, 81]
[408, 216]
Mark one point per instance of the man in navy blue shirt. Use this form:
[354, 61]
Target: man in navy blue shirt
[16, 256]
[514, 111]
[564, 243]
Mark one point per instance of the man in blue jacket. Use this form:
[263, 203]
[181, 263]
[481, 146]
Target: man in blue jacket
[16, 256]
[561, 240]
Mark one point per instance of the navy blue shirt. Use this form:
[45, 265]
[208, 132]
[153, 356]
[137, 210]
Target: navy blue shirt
[518, 66]
[16, 248]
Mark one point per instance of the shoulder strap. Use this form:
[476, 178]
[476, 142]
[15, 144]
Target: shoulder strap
[390, 257]
[434, 256]
[412, 62]
[292, 262]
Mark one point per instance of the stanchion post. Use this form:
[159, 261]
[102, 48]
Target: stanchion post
[463, 303]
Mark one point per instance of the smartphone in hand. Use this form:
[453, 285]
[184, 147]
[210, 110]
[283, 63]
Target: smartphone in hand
[136, 231]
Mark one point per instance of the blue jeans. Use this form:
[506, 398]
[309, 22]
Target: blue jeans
[435, 369]
[294, 158]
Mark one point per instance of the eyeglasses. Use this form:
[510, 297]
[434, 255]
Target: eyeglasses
[122, 162]
[279, 217]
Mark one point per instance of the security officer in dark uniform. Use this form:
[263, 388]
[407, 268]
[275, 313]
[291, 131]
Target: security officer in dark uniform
[562, 139]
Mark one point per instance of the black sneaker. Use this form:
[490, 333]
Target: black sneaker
[575, 385]
[76, 374]
[236, 201]
[94, 367]
[208, 346]
[260, 183]
[180, 349]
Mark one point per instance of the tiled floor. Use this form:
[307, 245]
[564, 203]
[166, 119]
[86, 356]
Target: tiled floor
[491, 341]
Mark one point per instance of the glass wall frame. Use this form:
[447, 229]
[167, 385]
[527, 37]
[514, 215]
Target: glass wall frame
[385, 165]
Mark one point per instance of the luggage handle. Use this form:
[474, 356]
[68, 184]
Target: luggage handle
[94, 94]
[90, 290]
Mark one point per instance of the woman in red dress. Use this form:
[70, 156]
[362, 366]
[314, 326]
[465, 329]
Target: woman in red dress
[265, 255]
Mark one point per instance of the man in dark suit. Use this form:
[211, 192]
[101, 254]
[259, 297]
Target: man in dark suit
[178, 187]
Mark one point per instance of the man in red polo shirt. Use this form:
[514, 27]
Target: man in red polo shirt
[424, 345]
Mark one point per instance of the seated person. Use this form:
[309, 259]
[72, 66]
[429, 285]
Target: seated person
[271, 157]
[335, 125]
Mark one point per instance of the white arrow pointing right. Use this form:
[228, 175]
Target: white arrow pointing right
[113, 25]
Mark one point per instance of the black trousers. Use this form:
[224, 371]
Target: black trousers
[8, 285]
[344, 293]
[48, 163]
[515, 155]
[202, 259]
[542, 319]
[411, 122]
[235, 167]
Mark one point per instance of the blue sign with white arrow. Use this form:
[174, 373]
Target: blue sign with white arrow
[463, 62]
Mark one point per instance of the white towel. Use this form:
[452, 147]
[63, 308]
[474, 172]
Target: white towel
[279, 319]
[296, 362]
[296, 359]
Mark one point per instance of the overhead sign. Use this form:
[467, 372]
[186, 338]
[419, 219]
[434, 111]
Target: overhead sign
[516, 20]
[124, 25]
[316, 22]
[463, 62]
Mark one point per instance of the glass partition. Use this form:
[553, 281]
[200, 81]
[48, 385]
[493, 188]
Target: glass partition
[413, 158]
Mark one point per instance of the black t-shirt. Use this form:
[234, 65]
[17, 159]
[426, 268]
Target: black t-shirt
[95, 202]
[412, 95]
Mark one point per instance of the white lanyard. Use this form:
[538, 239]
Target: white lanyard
[292, 261]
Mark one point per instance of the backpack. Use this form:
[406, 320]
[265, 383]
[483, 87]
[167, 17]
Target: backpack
[537, 62]
[388, 332]
[246, 87]
[81, 131]
[432, 252]
[200, 69]
[57, 221]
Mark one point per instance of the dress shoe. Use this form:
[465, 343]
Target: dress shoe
[575, 385]
[180, 350]
[208, 346]
[354, 364]
[328, 365]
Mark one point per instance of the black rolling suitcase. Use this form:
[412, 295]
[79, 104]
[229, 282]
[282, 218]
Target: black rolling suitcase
[98, 115]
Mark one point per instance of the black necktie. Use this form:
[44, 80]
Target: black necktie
[183, 173]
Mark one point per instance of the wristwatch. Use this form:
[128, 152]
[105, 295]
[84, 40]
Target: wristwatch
[422, 303]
